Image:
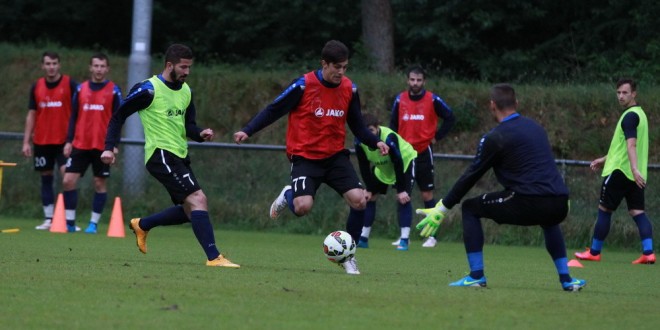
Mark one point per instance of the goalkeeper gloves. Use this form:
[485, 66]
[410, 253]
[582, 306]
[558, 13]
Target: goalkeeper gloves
[434, 216]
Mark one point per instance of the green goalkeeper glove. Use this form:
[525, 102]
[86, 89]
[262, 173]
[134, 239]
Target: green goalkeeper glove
[434, 216]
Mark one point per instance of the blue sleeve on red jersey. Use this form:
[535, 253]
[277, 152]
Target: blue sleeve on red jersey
[73, 85]
[74, 115]
[282, 105]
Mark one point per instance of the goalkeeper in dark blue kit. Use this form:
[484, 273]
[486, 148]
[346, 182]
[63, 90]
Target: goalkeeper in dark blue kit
[518, 151]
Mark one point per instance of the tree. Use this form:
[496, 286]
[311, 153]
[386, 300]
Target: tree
[378, 33]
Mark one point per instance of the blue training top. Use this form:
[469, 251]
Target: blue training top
[519, 152]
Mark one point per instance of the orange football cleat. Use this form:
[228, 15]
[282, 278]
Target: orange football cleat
[140, 235]
[586, 255]
[645, 259]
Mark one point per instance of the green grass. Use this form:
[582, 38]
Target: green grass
[77, 281]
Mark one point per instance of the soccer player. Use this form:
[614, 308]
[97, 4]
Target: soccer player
[394, 169]
[48, 114]
[624, 172]
[518, 151]
[415, 115]
[165, 105]
[319, 105]
[94, 103]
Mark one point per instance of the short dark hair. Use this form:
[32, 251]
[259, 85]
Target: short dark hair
[50, 54]
[176, 52]
[503, 95]
[370, 119]
[417, 69]
[334, 51]
[629, 81]
[101, 57]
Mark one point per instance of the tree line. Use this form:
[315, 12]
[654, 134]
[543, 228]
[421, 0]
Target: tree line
[485, 40]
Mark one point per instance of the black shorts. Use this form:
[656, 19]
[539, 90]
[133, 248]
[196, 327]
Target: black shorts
[616, 187]
[507, 207]
[46, 155]
[335, 171]
[381, 188]
[424, 170]
[174, 173]
[81, 159]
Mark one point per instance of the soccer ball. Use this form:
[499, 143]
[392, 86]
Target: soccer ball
[339, 246]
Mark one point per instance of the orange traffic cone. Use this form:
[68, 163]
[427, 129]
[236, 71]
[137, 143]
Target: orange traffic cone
[574, 263]
[58, 224]
[116, 227]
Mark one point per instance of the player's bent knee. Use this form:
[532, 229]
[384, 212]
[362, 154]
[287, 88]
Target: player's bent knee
[358, 205]
[302, 210]
[197, 200]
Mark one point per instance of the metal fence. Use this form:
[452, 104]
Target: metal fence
[241, 181]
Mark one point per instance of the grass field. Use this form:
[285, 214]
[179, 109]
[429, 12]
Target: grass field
[76, 281]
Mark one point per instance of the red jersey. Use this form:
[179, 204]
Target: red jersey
[94, 112]
[53, 111]
[317, 126]
[417, 120]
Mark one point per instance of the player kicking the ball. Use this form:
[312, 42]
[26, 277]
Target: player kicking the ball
[319, 105]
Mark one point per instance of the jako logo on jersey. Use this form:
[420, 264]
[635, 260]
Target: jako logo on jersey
[50, 104]
[320, 112]
[407, 117]
[93, 107]
[175, 112]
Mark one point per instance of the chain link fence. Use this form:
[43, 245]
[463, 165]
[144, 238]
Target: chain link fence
[241, 181]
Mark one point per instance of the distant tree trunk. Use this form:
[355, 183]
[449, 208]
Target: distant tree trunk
[378, 33]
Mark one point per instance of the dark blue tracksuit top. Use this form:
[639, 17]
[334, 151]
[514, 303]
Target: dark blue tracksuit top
[519, 152]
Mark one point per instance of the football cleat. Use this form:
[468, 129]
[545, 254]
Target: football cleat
[645, 259]
[586, 255]
[44, 226]
[221, 261]
[574, 286]
[363, 244]
[279, 204]
[469, 281]
[403, 245]
[140, 235]
[91, 229]
[350, 266]
[395, 243]
[72, 229]
[430, 242]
